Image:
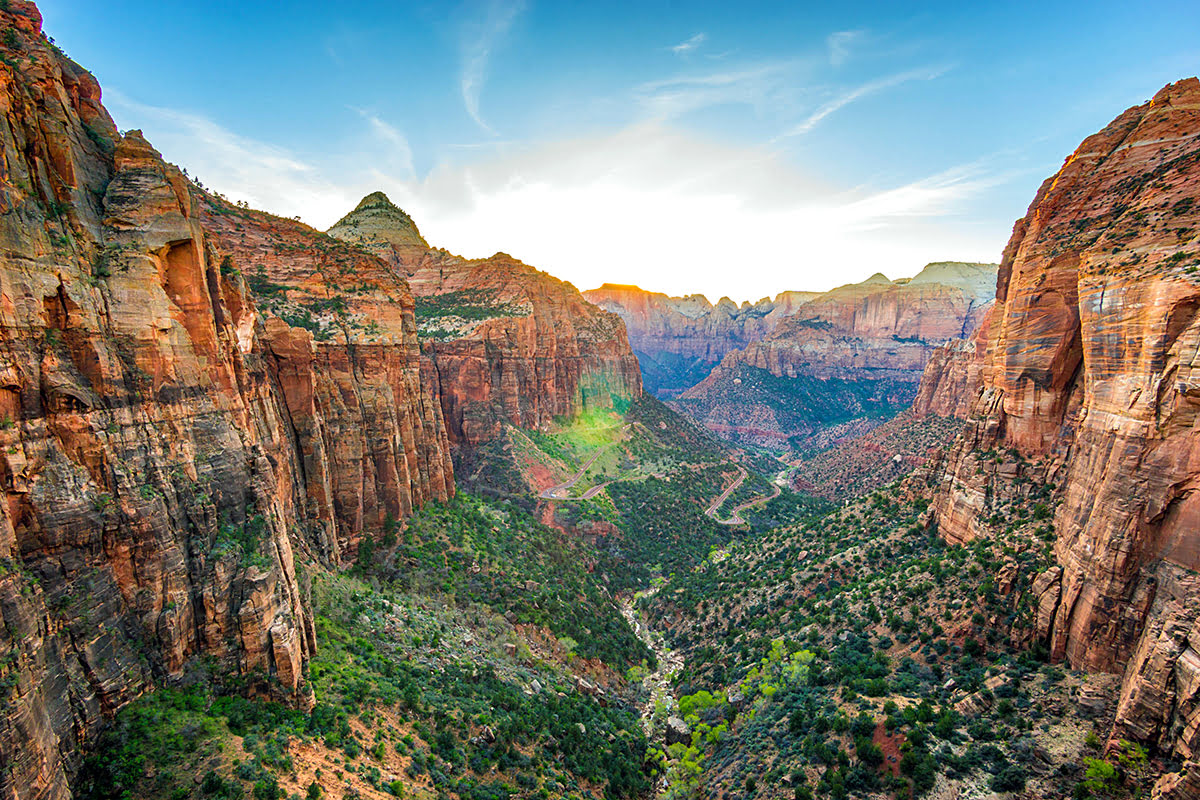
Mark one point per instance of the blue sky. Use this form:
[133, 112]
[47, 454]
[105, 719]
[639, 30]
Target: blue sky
[732, 149]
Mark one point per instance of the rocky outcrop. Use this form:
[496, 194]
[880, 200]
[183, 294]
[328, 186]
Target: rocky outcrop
[1089, 382]
[168, 451]
[341, 344]
[856, 351]
[953, 376]
[377, 225]
[506, 343]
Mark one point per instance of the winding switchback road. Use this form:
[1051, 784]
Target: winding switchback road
[560, 492]
[736, 518]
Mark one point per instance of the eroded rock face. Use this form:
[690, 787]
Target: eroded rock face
[340, 341]
[953, 376]
[506, 343]
[1090, 377]
[857, 350]
[167, 453]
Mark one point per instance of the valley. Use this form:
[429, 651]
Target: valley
[293, 513]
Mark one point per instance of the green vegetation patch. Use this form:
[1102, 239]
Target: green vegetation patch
[471, 305]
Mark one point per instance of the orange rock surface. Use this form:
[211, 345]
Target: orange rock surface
[167, 449]
[1090, 381]
[509, 343]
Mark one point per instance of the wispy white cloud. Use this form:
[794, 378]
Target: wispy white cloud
[479, 40]
[839, 44]
[264, 175]
[857, 93]
[760, 85]
[399, 151]
[677, 212]
[681, 214]
[689, 44]
[937, 195]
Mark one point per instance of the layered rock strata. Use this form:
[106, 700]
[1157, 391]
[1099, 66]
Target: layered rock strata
[858, 350]
[952, 376]
[506, 344]
[1089, 382]
[168, 452]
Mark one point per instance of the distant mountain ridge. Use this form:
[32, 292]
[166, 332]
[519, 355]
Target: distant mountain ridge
[785, 367]
[678, 340]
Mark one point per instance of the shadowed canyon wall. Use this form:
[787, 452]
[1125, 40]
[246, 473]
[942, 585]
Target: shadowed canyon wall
[201, 403]
[169, 452]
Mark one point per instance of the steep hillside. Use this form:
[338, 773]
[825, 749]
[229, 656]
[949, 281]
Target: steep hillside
[678, 340]
[508, 344]
[1088, 386]
[854, 353]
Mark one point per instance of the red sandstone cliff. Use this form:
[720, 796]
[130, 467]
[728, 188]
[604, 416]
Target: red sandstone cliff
[505, 343]
[1090, 382]
[340, 339]
[953, 376]
[167, 451]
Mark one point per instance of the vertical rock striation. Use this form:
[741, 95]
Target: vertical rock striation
[953, 376]
[167, 451]
[1090, 381]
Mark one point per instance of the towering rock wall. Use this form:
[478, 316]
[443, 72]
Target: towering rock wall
[505, 343]
[341, 342]
[167, 451]
[1090, 382]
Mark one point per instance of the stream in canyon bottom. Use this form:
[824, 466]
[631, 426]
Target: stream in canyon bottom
[660, 701]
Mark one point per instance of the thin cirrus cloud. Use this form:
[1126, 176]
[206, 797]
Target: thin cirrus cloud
[839, 44]
[632, 207]
[859, 92]
[480, 38]
[399, 153]
[689, 44]
[759, 86]
[261, 174]
[643, 196]
[647, 203]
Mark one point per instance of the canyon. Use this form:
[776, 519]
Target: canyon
[788, 370]
[239, 459]
[201, 403]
